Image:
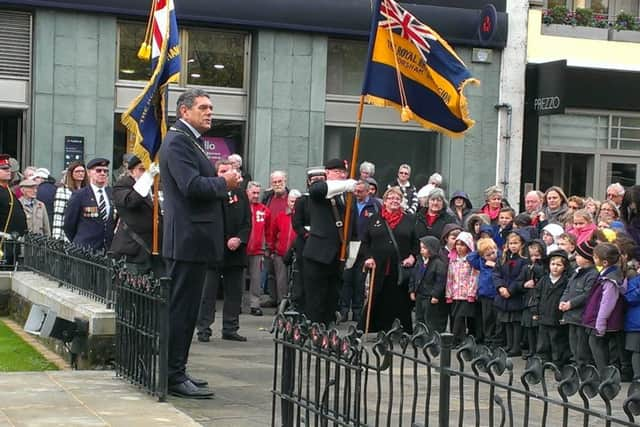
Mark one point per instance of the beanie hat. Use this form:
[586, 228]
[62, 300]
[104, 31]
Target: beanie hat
[585, 250]
[554, 229]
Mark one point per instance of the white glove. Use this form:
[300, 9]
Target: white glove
[154, 169]
[335, 187]
[144, 183]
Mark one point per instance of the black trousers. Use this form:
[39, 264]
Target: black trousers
[187, 280]
[490, 331]
[352, 292]
[579, 345]
[553, 343]
[231, 279]
[434, 316]
[321, 282]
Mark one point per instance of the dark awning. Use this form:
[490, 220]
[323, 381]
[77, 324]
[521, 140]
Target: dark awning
[456, 20]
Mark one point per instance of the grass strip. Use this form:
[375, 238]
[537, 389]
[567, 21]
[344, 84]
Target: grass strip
[16, 355]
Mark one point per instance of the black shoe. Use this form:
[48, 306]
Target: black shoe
[256, 312]
[197, 382]
[234, 336]
[269, 304]
[204, 338]
[514, 353]
[188, 390]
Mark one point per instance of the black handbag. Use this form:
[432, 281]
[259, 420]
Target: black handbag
[404, 273]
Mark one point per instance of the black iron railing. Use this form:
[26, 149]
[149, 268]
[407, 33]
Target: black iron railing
[321, 378]
[86, 272]
[142, 317]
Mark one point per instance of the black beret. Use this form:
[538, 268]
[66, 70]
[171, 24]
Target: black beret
[133, 161]
[98, 161]
[336, 164]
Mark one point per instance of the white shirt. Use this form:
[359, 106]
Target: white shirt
[96, 194]
[191, 128]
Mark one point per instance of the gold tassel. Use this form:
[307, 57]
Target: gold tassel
[144, 53]
[406, 114]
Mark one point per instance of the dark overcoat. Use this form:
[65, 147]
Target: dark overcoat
[193, 198]
[137, 213]
[237, 223]
[82, 223]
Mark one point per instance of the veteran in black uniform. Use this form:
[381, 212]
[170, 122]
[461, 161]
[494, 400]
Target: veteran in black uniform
[237, 226]
[133, 238]
[193, 228]
[322, 248]
[88, 218]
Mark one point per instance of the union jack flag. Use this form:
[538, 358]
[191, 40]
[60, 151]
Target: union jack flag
[410, 28]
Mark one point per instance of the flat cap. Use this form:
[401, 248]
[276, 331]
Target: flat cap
[98, 161]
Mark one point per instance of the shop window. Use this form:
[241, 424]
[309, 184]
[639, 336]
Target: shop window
[579, 131]
[625, 133]
[387, 149]
[567, 170]
[210, 58]
[131, 34]
[215, 59]
[225, 137]
[346, 60]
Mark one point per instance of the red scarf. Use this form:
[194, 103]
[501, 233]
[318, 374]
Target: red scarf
[431, 218]
[392, 218]
[492, 213]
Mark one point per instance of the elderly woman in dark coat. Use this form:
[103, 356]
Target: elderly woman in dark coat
[391, 262]
[431, 219]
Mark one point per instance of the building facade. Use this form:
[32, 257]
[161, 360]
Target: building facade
[285, 83]
[582, 119]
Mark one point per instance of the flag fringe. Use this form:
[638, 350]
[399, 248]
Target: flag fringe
[407, 114]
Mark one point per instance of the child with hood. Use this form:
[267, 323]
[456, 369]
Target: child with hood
[462, 287]
[550, 234]
[473, 223]
[427, 286]
[449, 235]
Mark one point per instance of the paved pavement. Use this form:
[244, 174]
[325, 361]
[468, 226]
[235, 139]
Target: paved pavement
[240, 374]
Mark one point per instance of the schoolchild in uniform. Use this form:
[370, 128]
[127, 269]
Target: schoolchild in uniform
[427, 285]
[552, 335]
[534, 272]
[448, 240]
[567, 242]
[604, 312]
[632, 325]
[509, 280]
[573, 301]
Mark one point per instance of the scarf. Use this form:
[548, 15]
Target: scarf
[491, 213]
[431, 218]
[392, 218]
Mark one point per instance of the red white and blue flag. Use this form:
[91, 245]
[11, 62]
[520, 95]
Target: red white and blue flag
[147, 115]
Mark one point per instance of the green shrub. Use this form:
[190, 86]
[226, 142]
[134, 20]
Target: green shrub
[626, 21]
[559, 15]
[584, 17]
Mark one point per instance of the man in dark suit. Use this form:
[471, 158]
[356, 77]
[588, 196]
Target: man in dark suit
[237, 226]
[193, 228]
[322, 248]
[88, 218]
[134, 230]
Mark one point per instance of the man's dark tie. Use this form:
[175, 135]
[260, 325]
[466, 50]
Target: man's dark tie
[201, 142]
[102, 205]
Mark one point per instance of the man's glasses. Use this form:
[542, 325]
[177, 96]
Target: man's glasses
[101, 170]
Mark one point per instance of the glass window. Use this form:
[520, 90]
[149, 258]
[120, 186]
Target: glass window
[387, 149]
[600, 6]
[225, 137]
[131, 35]
[346, 60]
[580, 131]
[215, 58]
[568, 170]
[628, 133]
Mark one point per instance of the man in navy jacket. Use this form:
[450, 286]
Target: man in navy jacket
[193, 228]
[88, 218]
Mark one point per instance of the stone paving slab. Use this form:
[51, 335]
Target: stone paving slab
[80, 398]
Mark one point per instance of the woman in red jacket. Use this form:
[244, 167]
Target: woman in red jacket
[283, 235]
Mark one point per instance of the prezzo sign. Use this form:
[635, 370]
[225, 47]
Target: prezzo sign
[547, 103]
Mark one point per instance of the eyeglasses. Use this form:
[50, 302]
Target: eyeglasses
[101, 170]
[403, 173]
[612, 195]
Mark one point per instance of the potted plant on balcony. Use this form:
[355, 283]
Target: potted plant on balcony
[559, 21]
[626, 28]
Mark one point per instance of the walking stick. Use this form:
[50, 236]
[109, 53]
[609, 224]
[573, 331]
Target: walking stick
[372, 280]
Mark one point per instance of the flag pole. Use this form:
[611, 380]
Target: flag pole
[155, 248]
[352, 175]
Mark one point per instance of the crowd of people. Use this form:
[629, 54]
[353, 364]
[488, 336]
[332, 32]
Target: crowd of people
[557, 280]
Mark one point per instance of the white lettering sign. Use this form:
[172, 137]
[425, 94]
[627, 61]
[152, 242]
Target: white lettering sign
[547, 103]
